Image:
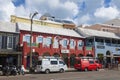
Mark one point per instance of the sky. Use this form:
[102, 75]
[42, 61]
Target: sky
[86, 12]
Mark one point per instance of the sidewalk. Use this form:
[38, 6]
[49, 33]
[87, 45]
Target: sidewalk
[71, 70]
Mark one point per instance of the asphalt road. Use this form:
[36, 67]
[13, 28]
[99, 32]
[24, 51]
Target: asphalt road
[76, 75]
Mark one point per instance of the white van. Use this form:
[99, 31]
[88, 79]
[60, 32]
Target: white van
[51, 64]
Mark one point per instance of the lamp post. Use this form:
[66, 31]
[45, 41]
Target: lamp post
[31, 20]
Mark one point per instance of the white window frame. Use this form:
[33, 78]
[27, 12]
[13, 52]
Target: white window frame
[56, 43]
[64, 46]
[45, 43]
[37, 41]
[9, 42]
[72, 46]
[24, 38]
[80, 42]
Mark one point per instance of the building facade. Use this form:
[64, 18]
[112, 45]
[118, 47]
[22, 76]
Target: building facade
[106, 44]
[9, 52]
[51, 41]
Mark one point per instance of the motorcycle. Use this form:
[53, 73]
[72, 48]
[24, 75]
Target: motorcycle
[9, 70]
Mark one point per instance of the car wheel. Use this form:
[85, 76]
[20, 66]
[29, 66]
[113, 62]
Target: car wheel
[61, 70]
[86, 69]
[47, 71]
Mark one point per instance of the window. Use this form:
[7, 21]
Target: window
[39, 39]
[61, 62]
[55, 43]
[54, 62]
[91, 62]
[47, 41]
[10, 42]
[65, 43]
[72, 43]
[26, 38]
[80, 44]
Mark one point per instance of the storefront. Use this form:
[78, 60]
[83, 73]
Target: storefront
[10, 58]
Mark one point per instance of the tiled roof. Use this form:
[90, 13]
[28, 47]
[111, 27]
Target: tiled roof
[49, 30]
[90, 32]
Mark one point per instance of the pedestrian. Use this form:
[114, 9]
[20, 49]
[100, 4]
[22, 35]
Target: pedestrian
[22, 70]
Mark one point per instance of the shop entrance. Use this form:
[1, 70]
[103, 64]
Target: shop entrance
[35, 56]
[72, 60]
[65, 58]
[6, 59]
[108, 57]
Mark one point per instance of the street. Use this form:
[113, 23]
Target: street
[75, 75]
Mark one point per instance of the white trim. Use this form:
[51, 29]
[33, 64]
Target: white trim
[63, 42]
[37, 39]
[24, 40]
[74, 44]
[9, 42]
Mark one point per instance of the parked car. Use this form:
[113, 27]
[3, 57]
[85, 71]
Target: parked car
[51, 64]
[87, 64]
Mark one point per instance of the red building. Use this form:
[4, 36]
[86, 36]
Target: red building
[51, 41]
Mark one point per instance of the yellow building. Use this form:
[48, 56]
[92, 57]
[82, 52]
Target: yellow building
[44, 22]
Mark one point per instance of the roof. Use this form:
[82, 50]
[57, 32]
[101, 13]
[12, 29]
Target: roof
[113, 22]
[90, 32]
[8, 27]
[49, 30]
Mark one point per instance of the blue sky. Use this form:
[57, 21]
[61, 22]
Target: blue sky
[79, 11]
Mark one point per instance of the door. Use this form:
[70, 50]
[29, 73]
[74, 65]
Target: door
[54, 66]
[92, 65]
[65, 58]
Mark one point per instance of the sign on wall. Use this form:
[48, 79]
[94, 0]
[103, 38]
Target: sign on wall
[64, 51]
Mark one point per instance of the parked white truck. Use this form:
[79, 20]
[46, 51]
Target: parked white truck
[51, 64]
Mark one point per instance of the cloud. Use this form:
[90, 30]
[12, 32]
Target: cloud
[78, 11]
[6, 8]
[83, 20]
[107, 13]
[57, 8]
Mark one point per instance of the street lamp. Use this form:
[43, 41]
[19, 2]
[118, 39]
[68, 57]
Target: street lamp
[31, 19]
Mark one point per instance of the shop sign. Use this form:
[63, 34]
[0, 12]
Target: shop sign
[65, 51]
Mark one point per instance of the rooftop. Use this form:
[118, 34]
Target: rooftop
[90, 32]
[113, 22]
[8, 27]
[49, 30]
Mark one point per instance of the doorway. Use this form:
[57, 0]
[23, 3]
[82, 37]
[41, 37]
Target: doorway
[65, 58]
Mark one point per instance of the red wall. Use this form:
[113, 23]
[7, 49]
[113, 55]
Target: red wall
[40, 49]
